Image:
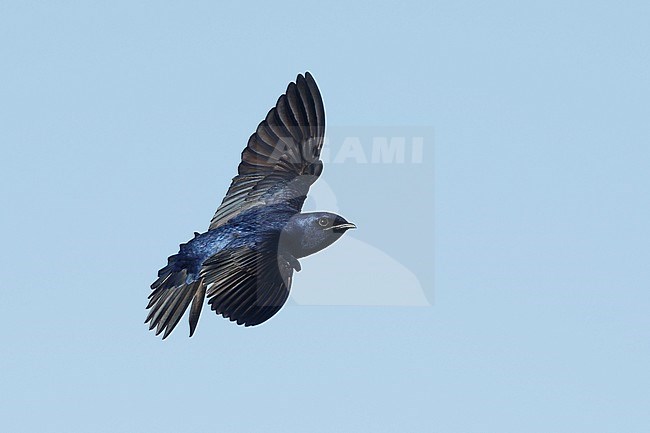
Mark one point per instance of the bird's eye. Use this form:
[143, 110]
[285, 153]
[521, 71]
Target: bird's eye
[323, 221]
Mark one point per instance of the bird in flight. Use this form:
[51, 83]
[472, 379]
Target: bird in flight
[244, 263]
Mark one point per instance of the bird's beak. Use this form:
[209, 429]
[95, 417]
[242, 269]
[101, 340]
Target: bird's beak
[342, 227]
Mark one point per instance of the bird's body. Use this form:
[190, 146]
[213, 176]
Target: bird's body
[252, 228]
[244, 263]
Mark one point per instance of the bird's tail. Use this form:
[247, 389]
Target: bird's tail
[172, 293]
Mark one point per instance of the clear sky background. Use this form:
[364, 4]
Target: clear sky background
[525, 226]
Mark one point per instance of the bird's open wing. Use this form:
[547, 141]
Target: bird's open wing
[246, 285]
[282, 158]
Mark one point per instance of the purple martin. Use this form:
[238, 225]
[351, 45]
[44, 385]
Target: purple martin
[244, 263]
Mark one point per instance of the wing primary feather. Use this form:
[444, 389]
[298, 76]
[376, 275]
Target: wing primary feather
[287, 118]
[297, 109]
[318, 105]
[310, 115]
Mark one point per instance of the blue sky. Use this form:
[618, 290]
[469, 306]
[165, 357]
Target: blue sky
[499, 284]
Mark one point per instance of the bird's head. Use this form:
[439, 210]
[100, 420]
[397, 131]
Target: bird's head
[307, 233]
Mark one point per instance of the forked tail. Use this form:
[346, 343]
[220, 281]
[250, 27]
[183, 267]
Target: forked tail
[172, 293]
